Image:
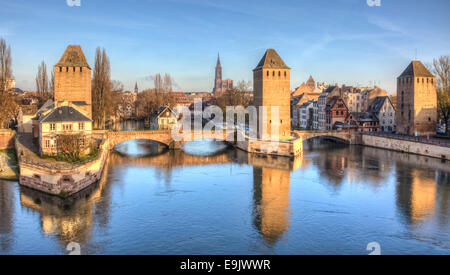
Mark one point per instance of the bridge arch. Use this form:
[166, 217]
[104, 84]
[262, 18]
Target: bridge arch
[342, 136]
[116, 138]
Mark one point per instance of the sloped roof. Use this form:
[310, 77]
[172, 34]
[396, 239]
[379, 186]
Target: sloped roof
[301, 89]
[271, 60]
[416, 69]
[364, 117]
[73, 57]
[163, 109]
[377, 104]
[65, 114]
[311, 81]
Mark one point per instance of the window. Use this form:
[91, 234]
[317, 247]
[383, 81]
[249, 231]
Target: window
[81, 69]
[285, 74]
[81, 126]
[273, 73]
[279, 74]
[73, 69]
[67, 126]
[267, 73]
[60, 69]
[67, 69]
[52, 127]
[47, 143]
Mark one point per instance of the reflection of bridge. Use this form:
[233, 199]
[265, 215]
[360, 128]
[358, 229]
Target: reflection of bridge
[167, 137]
[178, 158]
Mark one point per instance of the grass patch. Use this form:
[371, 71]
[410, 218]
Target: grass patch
[69, 159]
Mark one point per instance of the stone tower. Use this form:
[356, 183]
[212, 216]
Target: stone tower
[218, 77]
[73, 79]
[416, 112]
[271, 81]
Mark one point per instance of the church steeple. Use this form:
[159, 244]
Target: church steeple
[218, 60]
[136, 89]
[218, 77]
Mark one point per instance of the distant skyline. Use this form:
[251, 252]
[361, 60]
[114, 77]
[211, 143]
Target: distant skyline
[340, 41]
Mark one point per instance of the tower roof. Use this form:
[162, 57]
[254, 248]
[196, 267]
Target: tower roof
[416, 69]
[73, 57]
[271, 60]
[218, 60]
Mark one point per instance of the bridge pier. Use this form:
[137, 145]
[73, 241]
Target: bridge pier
[175, 145]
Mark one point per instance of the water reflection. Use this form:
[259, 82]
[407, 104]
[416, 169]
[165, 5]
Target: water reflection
[71, 219]
[271, 202]
[365, 182]
[7, 201]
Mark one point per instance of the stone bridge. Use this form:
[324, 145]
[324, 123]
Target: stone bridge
[166, 136]
[348, 136]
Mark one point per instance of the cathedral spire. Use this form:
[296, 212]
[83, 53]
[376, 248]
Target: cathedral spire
[218, 60]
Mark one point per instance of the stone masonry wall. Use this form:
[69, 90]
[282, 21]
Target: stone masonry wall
[62, 182]
[6, 139]
[412, 147]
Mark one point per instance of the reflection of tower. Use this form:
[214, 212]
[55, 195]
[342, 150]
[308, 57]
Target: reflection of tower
[271, 202]
[218, 77]
[416, 193]
[6, 214]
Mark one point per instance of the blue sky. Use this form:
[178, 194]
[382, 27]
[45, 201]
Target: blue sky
[343, 41]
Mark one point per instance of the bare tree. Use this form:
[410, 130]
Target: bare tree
[441, 68]
[149, 101]
[167, 83]
[51, 83]
[42, 84]
[101, 87]
[7, 102]
[158, 83]
[72, 146]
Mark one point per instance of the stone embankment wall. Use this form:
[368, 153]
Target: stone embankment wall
[57, 181]
[401, 145]
[7, 139]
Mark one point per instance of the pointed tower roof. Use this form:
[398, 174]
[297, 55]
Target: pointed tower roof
[73, 57]
[218, 60]
[272, 60]
[416, 69]
[311, 79]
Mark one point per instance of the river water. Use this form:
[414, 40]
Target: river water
[212, 199]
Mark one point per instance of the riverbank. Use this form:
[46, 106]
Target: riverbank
[9, 165]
